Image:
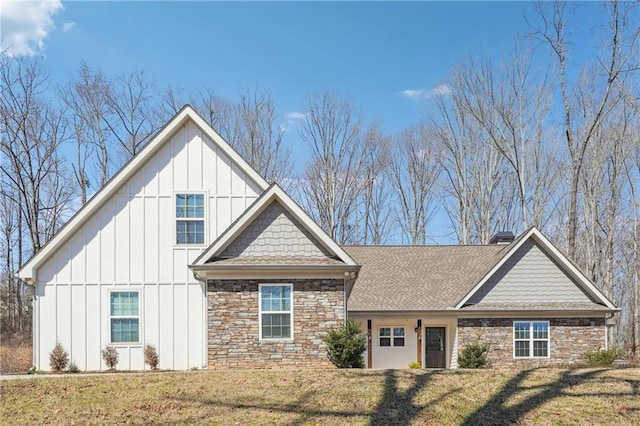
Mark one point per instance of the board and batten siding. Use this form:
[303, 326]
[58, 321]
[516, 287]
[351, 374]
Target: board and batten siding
[532, 276]
[129, 244]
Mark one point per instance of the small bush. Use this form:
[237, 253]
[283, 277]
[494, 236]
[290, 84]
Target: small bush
[602, 357]
[414, 365]
[151, 356]
[474, 355]
[58, 358]
[346, 345]
[110, 357]
[73, 368]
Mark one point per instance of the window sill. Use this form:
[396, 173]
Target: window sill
[531, 357]
[126, 345]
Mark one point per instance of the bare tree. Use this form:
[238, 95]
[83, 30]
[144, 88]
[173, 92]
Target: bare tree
[375, 214]
[615, 64]
[134, 116]
[334, 174]
[477, 192]
[414, 171]
[34, 190]
[86, 96]
[257, 136]
[510, 103]
[32, 132]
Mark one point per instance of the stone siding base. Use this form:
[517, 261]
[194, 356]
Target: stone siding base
[569, 339]
[233, 326]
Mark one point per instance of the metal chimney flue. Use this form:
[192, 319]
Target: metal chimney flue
[502, 237]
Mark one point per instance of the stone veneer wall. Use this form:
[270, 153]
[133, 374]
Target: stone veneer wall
[569, 339]
[232, 322]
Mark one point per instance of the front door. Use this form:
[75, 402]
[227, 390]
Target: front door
[435, 348]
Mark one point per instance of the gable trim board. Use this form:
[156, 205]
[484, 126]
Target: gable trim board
[583, 282]
[28, 272]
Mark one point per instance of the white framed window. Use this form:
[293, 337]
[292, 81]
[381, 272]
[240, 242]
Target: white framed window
[391, 336]
[276, 311]
[124, 315]
[189, 219]
[531, 339]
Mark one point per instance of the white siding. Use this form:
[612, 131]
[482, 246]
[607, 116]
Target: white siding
[532, 276]
[129, 243]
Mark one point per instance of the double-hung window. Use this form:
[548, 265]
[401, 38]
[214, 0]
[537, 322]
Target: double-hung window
[189, 218]
[531, 339]
[276, 311]
[391, 336]
[124, 307]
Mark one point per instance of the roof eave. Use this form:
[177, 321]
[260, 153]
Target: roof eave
[210, 272]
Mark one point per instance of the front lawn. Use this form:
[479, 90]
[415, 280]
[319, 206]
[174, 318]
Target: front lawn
[546, 396]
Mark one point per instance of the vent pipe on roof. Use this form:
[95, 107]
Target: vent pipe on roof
[502, 237]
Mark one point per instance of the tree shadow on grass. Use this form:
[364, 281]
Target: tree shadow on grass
[398, 407]
[395, 406]
[497, 412]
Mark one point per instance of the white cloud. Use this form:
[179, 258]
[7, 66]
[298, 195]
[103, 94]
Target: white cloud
[440, 90]
[68, 26]
[290, 119]
[295, 116]
[25, 24]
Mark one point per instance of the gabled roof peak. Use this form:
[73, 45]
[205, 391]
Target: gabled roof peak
[28, 272]
[273, 194]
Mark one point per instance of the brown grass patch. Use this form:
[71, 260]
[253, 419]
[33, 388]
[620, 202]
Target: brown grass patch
[547, 396]
[15, 358]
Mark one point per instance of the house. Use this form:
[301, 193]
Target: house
[187, 248]
[521, 296]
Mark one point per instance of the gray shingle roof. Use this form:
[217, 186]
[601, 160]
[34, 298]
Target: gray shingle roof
[414, 278]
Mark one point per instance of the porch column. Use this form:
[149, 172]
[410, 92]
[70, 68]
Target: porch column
[419, 334]
[369, 358]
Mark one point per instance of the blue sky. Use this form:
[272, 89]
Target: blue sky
[369, 53]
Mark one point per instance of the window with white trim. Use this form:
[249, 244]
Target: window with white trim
[531, 339]
[391, 336]
[276, 311]
[189, 218]
[124, 308]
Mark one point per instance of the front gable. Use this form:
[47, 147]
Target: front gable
[185, 155]
[276, 233]
[531, 276]
[533, 273]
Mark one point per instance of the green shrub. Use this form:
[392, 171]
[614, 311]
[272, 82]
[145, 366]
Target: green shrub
[474, 355]
[151, 356]
[346, 345]
[58, 358]
[110, 356]
[73, 367]
[602, 357]
[414, 365]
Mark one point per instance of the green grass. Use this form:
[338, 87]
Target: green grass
[541, 396]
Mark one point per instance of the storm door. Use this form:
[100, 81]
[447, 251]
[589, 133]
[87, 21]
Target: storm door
[435, 348]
